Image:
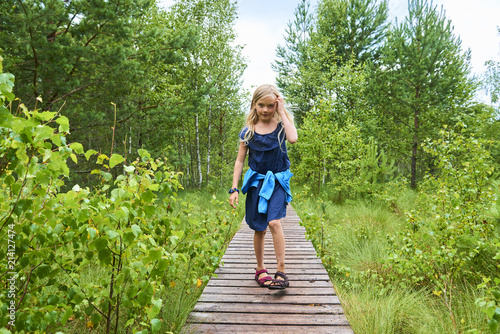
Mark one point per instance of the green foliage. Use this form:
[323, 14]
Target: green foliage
[353, 239]
[101, 259]
[492, 80]
[219, 223]
[6, 86]
[420, 83]
[490, 304]
[324, 51]
[333, 155]
[329, 154]
[376, 172]
[161, 69]
[291, 58]
[447, 234]
[354, 29]
[208, 83]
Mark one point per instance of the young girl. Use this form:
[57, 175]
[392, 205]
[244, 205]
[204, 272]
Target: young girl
[267, 181]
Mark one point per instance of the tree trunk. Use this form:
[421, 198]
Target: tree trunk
[222, 142]
[198, 155]
[414, 152]
[208, 140]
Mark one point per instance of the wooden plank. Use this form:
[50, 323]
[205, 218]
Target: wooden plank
[232, 302]
[257, 290]
[270, 318]
[257, 329]
[280, 297]
[269, 308]
[290, 271]
[247, 283]
[289, 259]
[288, 265]
[306, 277]
[270, 253]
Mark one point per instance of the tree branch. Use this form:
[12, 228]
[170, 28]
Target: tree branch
[72, 92]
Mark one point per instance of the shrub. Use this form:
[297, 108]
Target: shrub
[132, 233]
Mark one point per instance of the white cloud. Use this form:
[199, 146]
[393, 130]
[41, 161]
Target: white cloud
[259, 49]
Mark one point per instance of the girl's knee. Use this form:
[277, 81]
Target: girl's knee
[260, 233]
[274, 224]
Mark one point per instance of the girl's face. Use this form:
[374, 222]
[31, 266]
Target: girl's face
[266, 107]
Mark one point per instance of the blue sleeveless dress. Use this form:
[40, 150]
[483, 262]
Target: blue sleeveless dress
[265, 153]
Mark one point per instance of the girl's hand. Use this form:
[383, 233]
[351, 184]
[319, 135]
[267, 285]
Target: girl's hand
[233, 199]
[280, 106]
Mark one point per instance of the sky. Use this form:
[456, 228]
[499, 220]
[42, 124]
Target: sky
[261, 26]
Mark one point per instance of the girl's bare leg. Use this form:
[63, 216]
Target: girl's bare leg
[279, 243]
[258, 245]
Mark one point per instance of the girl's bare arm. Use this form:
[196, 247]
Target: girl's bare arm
[238, 169]
[290, 130]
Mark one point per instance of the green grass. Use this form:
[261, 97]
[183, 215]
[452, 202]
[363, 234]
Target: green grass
[369, 310]
[397, 311]
[354, 236]
[212, 209]
[182, 297]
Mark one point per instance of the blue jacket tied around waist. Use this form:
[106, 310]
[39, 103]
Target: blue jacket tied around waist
[252, 179]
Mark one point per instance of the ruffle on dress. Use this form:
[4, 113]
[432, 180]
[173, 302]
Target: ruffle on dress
[265, 142]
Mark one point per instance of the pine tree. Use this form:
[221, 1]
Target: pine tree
[421, 82]
[353, 29]
[291, 59]
[318, 46]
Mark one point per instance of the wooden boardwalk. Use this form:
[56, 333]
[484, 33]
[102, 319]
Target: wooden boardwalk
[234, 303]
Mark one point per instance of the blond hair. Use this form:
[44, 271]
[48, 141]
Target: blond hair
[252, 118]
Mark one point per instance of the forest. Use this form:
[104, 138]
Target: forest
[120, 122]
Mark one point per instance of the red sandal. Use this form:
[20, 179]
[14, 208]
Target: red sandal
[262, 281]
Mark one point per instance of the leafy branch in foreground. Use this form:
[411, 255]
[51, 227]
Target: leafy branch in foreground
[99, 259]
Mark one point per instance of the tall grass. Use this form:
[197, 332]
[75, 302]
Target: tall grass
[353, 241]
[212, 210]
[182, 296]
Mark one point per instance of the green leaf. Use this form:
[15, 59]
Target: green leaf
[144, 297]
[155, 308]
[63, 122]
[101, 158]
[9, 179]
[144, 154]
[44, 132]
[128, 237]
[92, 232]
[129, 322]
[52, 300]
[43, 271]
[66, 315]
[136, 229]
[493, 325]
[155, 325]
[100, 244]
[95, 318]
[129, 169]
[89, 255]
[90, 153]
[148, 196]
[115, 160]
[155, 254]
[45, 116]
[105, 256]
[78, 148]
[149, 211]
[154, 187]
[106, 176]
